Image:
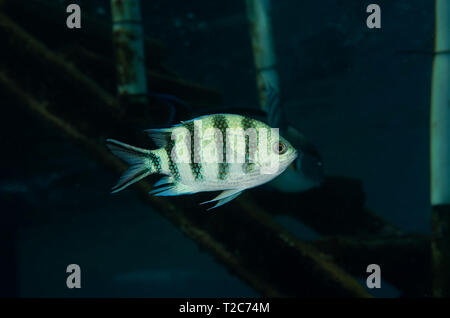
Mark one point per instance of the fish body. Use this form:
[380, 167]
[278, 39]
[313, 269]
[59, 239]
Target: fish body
[224, 152]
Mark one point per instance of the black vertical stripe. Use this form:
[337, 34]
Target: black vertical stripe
[172, 165]
[220, 122]
[246, 124]
[156, 162]
[196, 166]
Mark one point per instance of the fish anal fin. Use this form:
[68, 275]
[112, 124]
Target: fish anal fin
[224, 197]
[162, 181]
[172, 190]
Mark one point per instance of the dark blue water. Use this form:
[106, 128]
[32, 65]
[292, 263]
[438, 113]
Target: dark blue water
[354, 93]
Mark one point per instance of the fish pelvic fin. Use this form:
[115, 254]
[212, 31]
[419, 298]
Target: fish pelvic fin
[224, 197]
[172, 190]
[136, 157]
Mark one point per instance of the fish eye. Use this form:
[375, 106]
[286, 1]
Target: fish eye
[279, 148]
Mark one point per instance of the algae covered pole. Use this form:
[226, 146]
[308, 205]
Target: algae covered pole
[258, 15]
[440, 152]
[129, 50]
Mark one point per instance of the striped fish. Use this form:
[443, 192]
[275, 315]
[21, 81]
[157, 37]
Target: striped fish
[220, 152]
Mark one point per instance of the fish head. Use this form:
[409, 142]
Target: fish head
[281, 155]
[285, 151]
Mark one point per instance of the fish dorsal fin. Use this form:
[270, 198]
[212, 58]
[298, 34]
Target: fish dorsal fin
[160, 136]
[224, 197]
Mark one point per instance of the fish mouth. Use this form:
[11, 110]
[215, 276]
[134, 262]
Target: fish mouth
[292, 158]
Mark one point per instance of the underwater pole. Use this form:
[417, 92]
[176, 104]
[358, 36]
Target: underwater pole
[129, 50]
[440, 152]
[258, 15]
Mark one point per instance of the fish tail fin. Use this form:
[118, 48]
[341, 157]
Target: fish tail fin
[136, 157]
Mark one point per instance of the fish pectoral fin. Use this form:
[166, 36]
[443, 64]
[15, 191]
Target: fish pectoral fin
[224, 197]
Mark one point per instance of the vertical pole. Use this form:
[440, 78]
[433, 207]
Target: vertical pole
[258, 15]
[129, 50]
[440, 152]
